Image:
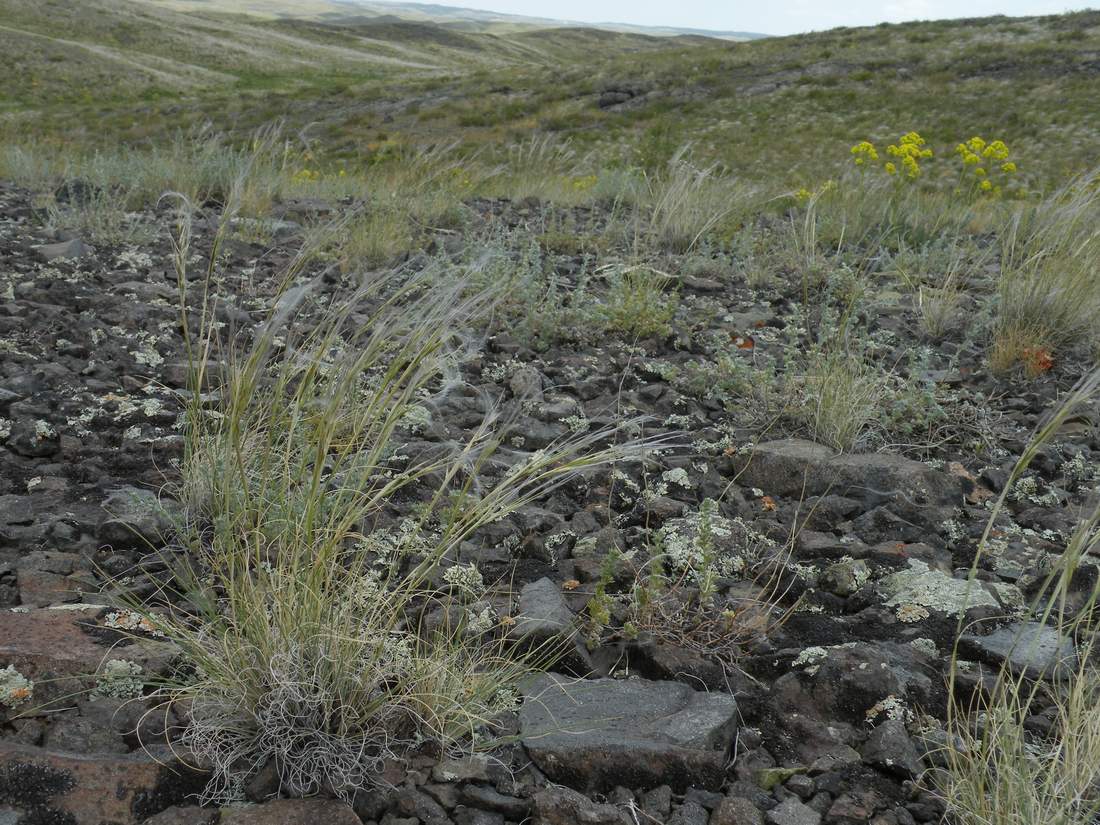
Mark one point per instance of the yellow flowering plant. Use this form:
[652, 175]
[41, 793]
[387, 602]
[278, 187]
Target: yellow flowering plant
[985, 167]
[908, 153]
[864, 153]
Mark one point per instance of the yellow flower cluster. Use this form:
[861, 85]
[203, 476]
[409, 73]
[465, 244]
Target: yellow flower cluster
[985, 161]
[864, 153]
[584, 183]
[461, 178]
[910, 152]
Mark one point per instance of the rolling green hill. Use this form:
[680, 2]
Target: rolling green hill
[784, 108]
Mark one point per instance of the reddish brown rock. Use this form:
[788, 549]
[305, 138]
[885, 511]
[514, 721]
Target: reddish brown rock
[92, 789]
[60, 650]
[291, 812]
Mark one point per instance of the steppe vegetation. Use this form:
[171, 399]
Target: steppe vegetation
[429, 321]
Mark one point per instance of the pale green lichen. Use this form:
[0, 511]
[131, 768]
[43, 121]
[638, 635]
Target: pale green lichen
[677, 476]
[706, 541]
[891, 707]
[812, 658]
[120, 679]
[466, 579]
[416, 419]
[15, 688]
[925, 646]
[922, 586]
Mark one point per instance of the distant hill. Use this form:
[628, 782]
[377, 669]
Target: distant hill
[443, 15]
[355, 79]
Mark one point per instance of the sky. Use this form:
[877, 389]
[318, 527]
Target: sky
[784, 17]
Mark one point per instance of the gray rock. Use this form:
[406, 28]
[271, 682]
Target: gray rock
[414, 803]
[689, 813]
[526, 383]
[843, 578]
[1028, 648]
[658, 802]
[543, 613]
[67, 250]
[562, 806]
[290, 812]
[736, 810]
[135, 518]
[890, 749]
[488, 799]
[474, 768]
[473, 816]
[637, 733]
[77, 734]
[795, 468]
[792, 812]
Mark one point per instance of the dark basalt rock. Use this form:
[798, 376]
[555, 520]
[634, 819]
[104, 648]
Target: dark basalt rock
[604, 732]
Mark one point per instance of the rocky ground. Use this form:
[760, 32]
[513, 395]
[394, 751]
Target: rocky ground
[830, 716]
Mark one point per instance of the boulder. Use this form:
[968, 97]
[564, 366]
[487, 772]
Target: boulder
[794, 468]
[48, 786]
[291, 812]
[1028, 648]
[61, 649]
[636, 733]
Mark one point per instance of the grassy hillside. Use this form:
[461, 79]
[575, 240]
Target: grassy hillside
[450, 16]
[374, 302]
[776, 109]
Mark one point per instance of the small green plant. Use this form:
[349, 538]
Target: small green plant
[839, 397]
[639, 302]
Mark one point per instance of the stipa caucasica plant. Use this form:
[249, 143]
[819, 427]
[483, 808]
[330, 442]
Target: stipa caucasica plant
[310, 644]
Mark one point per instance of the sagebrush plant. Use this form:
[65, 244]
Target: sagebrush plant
[998, 768]
[307, 648]
[639, 301]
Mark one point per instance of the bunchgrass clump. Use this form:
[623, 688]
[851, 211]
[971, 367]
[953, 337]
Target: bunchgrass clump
[999, 768]
[1049, 295]
[839, 397]
[685, 203]
[311, 646]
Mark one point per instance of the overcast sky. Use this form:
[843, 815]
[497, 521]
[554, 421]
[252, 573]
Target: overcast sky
[783, 17]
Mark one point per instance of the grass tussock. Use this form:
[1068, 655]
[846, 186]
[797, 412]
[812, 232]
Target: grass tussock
[322, 638]
[1000, 768]
[840, 398]
[1049, 295]
[686, 203]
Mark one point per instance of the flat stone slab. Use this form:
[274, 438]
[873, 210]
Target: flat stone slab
[49, 786]
[596, 734]
[1029, 648]
[61, 649]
